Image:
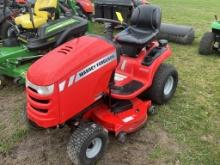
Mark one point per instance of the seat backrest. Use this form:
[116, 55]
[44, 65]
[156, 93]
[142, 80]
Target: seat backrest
[146, 17]
[39, 4]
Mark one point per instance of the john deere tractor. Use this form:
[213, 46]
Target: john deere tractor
[30, 35]
[210, 42]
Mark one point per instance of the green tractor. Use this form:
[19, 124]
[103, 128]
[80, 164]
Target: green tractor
[33, 34]
[210, 42]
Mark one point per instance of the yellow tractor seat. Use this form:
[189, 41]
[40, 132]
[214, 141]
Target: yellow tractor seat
[26, 22]
[40, 16]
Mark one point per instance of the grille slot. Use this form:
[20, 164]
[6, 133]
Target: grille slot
[40, 110]
[40, 101]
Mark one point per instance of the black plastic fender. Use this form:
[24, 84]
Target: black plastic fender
[72, 32]
[177, 33]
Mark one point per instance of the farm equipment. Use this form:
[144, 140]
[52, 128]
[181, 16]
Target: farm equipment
[8, 10]
[124, 7]
[210, 42]
[93, 84]
[175, 33]
[31, 39]
[13, 9]
[30, 20]
[180, 34]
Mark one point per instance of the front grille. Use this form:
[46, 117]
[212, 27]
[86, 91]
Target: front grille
[36, 101]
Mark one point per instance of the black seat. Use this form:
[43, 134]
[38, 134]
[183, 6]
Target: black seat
[145, 25]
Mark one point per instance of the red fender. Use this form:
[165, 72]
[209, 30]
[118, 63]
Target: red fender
[21, 1]
[86, 5]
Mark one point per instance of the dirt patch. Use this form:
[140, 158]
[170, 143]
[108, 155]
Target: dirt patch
[40, 147]
[49, 146]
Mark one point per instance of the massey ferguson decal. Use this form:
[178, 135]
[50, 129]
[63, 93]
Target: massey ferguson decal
[95, 66]
[88, 70]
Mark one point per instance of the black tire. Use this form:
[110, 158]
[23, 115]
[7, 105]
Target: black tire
[81, 140]
[206, 46]
[2, 82]
[7, 30]
[157, 92]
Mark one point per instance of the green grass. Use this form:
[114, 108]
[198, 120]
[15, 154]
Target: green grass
[193, 115]
[192, 118]
[12, 122]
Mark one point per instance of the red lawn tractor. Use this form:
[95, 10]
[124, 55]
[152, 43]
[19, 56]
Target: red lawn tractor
[96, 85]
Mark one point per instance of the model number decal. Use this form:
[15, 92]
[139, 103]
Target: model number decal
[95, 66]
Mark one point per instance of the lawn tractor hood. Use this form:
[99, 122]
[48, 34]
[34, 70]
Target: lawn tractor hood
[73, 56]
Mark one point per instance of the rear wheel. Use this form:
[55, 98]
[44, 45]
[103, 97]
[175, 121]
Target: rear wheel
[8, 30]
[87, 144]
[207, 44]
[164, 84]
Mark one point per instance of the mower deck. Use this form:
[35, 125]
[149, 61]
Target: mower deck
[128, 118]
[14, 61]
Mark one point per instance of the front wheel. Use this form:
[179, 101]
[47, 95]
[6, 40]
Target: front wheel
[207, 44]
[164, 84]
[87, 144]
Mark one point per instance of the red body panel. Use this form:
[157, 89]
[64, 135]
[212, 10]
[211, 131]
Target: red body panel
[77, 77]
[133, 69]
[61, 62]
[21, 1]
[127, 121]
[86, 5]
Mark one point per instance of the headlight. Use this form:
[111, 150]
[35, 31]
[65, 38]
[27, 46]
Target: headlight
[43, 90]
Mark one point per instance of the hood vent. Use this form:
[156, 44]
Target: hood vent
[65, 50]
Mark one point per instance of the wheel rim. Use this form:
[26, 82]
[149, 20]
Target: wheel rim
[94, 148]
[215, 45]
[11, 32]
[168, 86]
